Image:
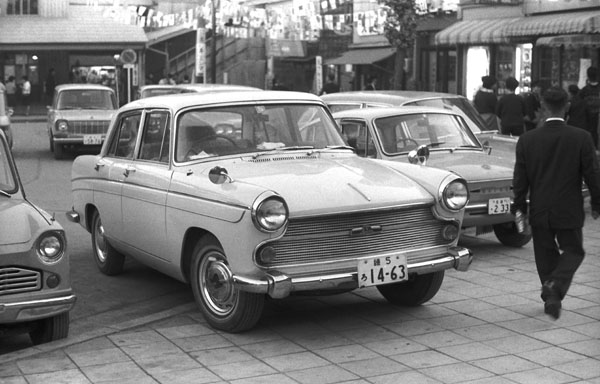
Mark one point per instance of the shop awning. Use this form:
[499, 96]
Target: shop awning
[565, 23]
[479, 31]
[362, 56]
[570, 41]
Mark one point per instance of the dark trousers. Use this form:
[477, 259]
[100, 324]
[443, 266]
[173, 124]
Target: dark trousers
[552, 265]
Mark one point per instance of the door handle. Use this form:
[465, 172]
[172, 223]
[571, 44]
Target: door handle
[128, 170]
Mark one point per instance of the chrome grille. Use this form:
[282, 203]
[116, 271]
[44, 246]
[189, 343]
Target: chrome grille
[18, 280]
[330, 238]
[88, 127]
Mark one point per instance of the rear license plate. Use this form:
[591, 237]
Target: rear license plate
[92, 139]
[499, 206]
[381, 270]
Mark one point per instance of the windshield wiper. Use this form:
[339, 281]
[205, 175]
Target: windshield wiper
[6, 194]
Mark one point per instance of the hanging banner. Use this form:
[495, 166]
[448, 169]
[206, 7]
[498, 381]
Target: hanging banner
[201, 53]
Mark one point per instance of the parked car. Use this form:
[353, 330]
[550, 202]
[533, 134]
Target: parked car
[276, 205]
[79, 116]
[396, 133]
[501, 145]
[35, 290]
[166, 89]
[5, 114]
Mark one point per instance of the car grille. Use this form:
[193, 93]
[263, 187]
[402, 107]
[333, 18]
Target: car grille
[480, 193]
[87, 127]
[329, 238]
[18, 280]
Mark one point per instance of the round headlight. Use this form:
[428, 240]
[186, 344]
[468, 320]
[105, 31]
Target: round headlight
[270, 214]
[62, 125]
[51, 247]
[456, 195]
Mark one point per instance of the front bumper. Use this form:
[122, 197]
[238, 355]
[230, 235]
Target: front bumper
[29, 310]
[278, 285]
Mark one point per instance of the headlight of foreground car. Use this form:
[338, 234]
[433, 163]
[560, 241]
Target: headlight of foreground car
[455, 195]
[51, 247]
[270, 214]
[62, 125]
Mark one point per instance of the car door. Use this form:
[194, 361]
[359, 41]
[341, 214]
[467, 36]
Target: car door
[145, 187]
[112, 171]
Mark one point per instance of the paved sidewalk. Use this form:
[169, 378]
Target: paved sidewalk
[485, 326]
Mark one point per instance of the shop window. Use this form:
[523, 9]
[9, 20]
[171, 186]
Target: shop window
[22, 7]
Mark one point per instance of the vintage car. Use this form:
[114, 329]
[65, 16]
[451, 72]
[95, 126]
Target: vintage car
[276, 205]
[501, 145]
[35, 288]
[165, 89]
[5, 113]
[79, 116]
[395, 133]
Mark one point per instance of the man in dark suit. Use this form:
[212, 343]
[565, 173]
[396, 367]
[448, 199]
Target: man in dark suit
[551, 163]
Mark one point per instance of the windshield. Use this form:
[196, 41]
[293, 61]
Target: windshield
[86, 99]
[456, 104]
[403, 133]
[8, 180]
[231, 130]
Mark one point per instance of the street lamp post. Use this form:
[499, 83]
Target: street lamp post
[213, 56]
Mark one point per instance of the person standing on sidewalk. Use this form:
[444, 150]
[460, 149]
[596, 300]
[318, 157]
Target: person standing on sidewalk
[511, 110]
[26, 94]
[591, 95]
[551, 163]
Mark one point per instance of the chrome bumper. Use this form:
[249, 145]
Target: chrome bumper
[35, 309]
[278, 285]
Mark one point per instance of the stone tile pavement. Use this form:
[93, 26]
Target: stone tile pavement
[485, 326]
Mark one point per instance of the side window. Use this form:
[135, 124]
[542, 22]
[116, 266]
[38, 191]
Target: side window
[155, 138]
[356, 134]
[124, 139]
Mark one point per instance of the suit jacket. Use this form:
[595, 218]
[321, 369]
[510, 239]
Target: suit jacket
[551, 163]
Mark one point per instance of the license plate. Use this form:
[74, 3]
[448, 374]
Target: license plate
[499, 206]
[380, 270]
[92, 139]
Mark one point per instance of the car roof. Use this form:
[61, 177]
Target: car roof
[64, 87]
[182, 100]
[385, 97]
[371, 113]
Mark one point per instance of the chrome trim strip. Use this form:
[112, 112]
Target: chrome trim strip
[41, 303]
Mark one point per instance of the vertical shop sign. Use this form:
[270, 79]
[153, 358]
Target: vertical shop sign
[201, 53]
[318, 74]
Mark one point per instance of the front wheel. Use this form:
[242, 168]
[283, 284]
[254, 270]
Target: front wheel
[417, 290]
[50, 329]
[223, 305]
[109, 260]
[508, 235]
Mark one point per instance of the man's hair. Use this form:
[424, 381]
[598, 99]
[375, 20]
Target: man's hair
[592, 73]
[555, 99]
[488, 82]
[512, 83]
[573, 89]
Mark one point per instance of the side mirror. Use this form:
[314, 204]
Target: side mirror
[487, 147]
[218, 175]
[419, 155]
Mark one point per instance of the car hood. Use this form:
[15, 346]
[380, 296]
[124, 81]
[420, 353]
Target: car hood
[23, 219]
[87, 114]
[324, 184]
[472, 166]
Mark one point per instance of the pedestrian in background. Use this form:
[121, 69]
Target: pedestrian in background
[371, 81]
[485, 102]
[552, 161]
[511, 110]
[11, 92]
[49, 85]
[591, 95]
[533, 106]
[26, 94]
[330, 86]
[576, 113]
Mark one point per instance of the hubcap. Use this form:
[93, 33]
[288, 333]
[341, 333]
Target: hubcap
[216, 284]
[100, 242]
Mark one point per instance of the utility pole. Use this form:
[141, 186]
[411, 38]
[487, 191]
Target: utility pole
[213, 43]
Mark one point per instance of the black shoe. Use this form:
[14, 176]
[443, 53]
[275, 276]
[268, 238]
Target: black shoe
[552, 305]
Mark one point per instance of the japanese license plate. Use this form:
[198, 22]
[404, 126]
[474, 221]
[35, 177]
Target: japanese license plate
[381, 270]
[92, 139]
[499, 206]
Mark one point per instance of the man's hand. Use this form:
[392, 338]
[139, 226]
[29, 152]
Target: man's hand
[595, 214]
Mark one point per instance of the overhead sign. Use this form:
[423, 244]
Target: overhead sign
[128, 56]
